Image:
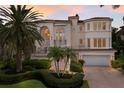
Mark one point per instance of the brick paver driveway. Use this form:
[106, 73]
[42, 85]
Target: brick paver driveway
[104, 77]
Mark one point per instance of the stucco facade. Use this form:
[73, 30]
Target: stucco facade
[87, 37]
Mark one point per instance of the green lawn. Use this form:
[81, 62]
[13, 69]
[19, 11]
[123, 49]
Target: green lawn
[85, 84]
[26, 84]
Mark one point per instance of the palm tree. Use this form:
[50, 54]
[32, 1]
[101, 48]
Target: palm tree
[69, 54]
[19, 31]
[56, 53]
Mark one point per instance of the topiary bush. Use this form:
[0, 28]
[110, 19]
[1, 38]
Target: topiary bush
[81, 61]
[76, 67]
[54, 82]
[38, 64]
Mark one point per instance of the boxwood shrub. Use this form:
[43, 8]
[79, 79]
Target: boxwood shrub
[38, 64]
[76, 67]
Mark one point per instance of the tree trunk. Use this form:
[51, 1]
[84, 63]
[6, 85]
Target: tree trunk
[58, 72]
[55, 66]
[65, 65]
[18, 61]
[68, 65]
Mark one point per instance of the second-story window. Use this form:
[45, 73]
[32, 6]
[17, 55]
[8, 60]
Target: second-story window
[94, 26]
[104, 25]
[81, 28]
[95, 42]
[99, 26]
[109, 26]
[88, 26]
[59, 33]
[88, 42]
[99, 42]
[104, 42]
[81, 41]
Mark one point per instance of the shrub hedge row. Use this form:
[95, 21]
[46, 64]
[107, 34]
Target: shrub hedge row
[45, 76]
[38, 64]
[14, 78]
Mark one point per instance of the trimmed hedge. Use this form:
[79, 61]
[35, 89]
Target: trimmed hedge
[38, 64]
[54, 82]
[11, 79]
[76, 67]
[46, 77]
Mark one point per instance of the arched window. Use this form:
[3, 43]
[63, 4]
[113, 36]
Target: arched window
[45, 32]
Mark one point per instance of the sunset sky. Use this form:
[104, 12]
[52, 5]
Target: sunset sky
[84, 11]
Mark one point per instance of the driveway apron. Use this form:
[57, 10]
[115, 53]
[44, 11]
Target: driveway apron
[104, 77]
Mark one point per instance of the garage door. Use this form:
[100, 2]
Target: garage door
[98, 60]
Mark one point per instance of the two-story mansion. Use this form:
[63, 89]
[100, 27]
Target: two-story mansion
[90, 38]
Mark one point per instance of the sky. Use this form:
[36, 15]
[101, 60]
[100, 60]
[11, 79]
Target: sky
[84, 11]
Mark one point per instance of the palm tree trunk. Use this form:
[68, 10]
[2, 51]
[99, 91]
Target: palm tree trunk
[55, 63]
[18, 61]
[69, 63]
[58, 72]
[65, 66]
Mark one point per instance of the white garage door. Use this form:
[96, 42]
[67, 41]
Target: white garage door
[98, 60]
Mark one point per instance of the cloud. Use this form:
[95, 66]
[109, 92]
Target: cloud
[118, 10]
[51, 9]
